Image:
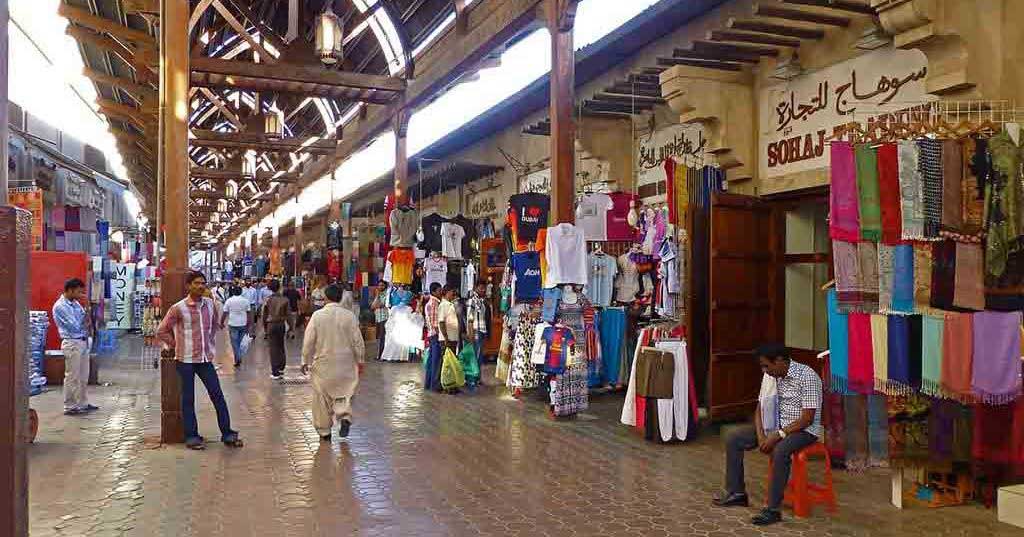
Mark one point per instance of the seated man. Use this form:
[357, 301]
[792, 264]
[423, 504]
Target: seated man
[787, 420]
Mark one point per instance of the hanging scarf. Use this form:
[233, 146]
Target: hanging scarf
[898, 355]
[862, 374]
[878, 432]
[844, 213]
[976, 166]
[908, 431]
[903, 280]
[931, 354]
[835, 427]
[997, 351]
[952, 186]
[922, 277]
[868, 201]
[838, 344]
[969, 284]
[957, 349]
[943, 274]
[886, 277]
[867, 256]
[911, 191]
[849, 286]
[880, 350]
[889, 193]
[930, 164]
[1003, 206]
[855, 413]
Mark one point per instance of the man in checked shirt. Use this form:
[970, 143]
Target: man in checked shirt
[187, 332]
[783, 424]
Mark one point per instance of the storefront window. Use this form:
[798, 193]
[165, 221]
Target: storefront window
[806, 271]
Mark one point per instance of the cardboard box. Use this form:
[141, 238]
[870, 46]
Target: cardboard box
[1010, 505]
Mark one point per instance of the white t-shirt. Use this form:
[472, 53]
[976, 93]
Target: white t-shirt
[237, 308]
[592, 216]
[435, 269]
[566, 252]
[451, 240]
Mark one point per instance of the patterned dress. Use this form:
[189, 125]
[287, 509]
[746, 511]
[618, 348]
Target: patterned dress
[569, 391]
[522, 373]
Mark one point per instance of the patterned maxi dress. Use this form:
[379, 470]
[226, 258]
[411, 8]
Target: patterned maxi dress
[522, 373]
[569, 391]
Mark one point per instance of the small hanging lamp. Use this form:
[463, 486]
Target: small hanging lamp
[273, 124]
[249, 164]
[329, 35]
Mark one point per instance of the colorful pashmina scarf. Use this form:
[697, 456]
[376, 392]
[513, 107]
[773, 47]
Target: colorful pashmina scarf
[930, 164]
[952, 186]
[908, 431]
[880, 350]
[886, 277]
[835, 427]
[878, 432]
[931, 354]
[957, 349]
[844, 212]
[911, 191]
[849, 286]
[867, 255]
[889, 193]
[922, 277]
[943, 274]
[898, 354]
[868, 200]
[903, 280]
[838, 344]
[1004, 208]
[997, 339]
[862, 365]
[969, 279]
[855, 413]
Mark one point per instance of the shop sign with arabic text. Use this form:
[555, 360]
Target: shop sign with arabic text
[798, 116]
[674, 141]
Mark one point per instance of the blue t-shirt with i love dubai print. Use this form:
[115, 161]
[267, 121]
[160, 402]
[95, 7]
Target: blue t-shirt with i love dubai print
[526, 267]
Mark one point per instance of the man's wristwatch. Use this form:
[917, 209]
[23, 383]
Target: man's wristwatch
[782, 433]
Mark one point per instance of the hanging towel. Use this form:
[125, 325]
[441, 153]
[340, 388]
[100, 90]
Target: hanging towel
[768, 403]
[903, 280]
[957, 349]
[997, 340]
[930, 164]
[849, 285]
[889, 193]
[898, 354]
[922, 277]
[969, 279]
[880, 351]
[867, 255]
[886, 277]
[931, 354]
[844, 213]
[943, 274]
[911, 191]
[867, 192]
[838, 344]
[952, 186]
[862, 374]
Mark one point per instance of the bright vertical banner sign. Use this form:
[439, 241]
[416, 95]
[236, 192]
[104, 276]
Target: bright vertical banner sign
[122, 285]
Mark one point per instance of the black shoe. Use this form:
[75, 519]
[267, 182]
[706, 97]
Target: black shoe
[766, 517]
[74, 411]
[232, 440]
[90, 408]
[735, 499]
[325, 438]
[343, 428]
[196, 443]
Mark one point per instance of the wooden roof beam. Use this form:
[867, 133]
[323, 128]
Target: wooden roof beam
[785, 30]
[120, 111]
[627, 98]
[715, 56]
[142, 60]
[213, 174]
[102, 24]
[142, 93]
[303, 74]
[851, 6]
[714, 46]
[797, 14]
[709, 64]
[756, 38]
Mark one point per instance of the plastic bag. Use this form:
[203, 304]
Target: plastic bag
[244, 345]
[452, 375]
[469, 364]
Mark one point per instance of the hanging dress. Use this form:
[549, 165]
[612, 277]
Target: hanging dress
[569, 391]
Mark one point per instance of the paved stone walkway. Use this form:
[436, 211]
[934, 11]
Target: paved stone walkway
[416, 464]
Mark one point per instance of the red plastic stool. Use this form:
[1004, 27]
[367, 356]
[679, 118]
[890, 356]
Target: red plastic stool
[800, 493]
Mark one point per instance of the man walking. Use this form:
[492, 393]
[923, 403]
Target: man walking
[381, 308]
[448, 331]
[188, 332]
[783, 424]
[275, 317]
[478, 321]
[434, 357]
[238, 314]
[70, 318]
[293, 296]
[333, 350]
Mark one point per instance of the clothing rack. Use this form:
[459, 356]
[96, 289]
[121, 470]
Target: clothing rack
[940, 119]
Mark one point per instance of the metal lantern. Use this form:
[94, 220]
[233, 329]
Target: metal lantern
[329, 34]
[273, 125]
[249, 164]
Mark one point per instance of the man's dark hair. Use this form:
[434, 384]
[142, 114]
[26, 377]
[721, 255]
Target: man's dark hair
[479, 283]
[333, 293]
[274, 285]
[193, 275]
[449, 289]
[772, 351]
[73, 283]
[235, 290]
[435, 287]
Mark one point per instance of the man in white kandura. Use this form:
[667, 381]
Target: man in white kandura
[333, 350]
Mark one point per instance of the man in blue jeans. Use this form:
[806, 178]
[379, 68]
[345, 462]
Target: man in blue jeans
[188, 332]
[239, 318]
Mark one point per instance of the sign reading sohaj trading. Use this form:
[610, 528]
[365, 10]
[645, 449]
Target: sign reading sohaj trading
[798, 116]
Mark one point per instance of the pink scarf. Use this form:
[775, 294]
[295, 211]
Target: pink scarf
[843, 201]
[862, 361]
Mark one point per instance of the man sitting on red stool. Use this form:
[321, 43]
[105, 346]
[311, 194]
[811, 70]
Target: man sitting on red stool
[787, 420]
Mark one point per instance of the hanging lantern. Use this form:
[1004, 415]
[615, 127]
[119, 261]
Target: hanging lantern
[329, 34]
[249, 164]
[273, 125]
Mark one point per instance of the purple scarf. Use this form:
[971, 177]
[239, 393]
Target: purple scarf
[996, 368]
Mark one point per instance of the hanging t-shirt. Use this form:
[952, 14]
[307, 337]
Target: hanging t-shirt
[530, 214]
[432, 232]
[403, 228]
[526, 267]
[435, 269]
[602, 269]
[566, 252]
[592, 216]
[618, 225]
[558, 339]
[451, 240]
[467, 240]
[628, 285]
[468, 279]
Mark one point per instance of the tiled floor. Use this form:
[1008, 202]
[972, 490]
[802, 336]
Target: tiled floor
[416, 464]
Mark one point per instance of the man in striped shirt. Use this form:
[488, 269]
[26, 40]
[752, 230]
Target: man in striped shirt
[187, 332]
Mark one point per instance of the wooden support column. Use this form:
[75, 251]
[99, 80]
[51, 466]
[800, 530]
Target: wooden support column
[173, 147]
[297, 258]
[401, 127]
[560, 17]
